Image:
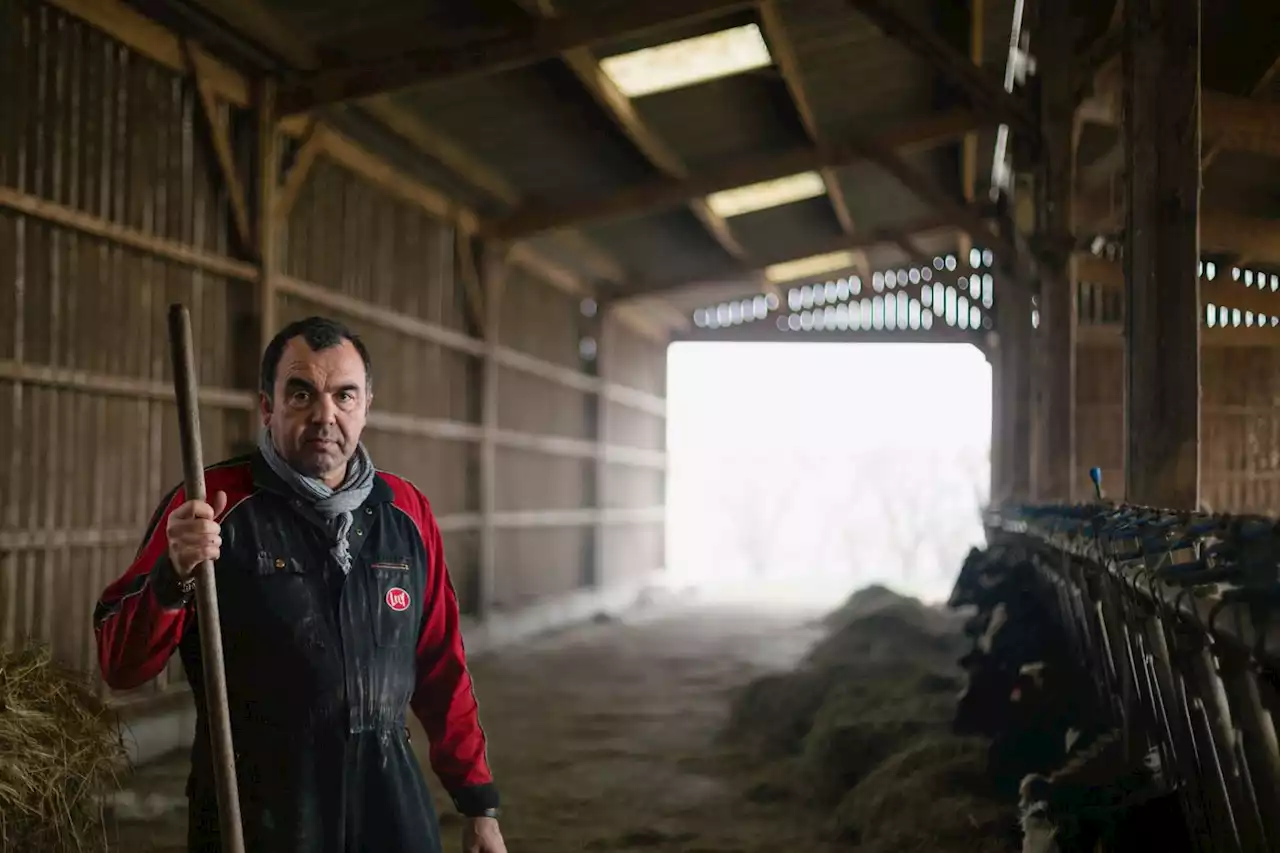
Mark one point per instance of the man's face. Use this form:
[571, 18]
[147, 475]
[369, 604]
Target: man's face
[318, 408]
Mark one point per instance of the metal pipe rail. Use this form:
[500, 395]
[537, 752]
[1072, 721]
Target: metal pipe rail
[1177, 614]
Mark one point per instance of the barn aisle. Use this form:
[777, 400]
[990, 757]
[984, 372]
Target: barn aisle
[603, 738]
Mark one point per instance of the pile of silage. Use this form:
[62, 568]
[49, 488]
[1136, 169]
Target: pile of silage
[862, 727]
[60, 749]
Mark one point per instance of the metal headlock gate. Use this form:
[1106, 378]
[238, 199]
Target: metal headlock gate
[1177, 616]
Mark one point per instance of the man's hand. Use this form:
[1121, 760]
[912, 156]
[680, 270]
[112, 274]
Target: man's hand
[481, 835]
[194, 536]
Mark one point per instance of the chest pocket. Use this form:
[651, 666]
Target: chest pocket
[393, 601]
[284, 595]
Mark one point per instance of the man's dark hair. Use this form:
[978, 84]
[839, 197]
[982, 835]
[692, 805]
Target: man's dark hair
[320, 333]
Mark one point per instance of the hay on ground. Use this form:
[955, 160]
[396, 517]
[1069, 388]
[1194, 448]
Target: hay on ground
[863, 722]
[862, 726]
[59, 750]
[933, 795]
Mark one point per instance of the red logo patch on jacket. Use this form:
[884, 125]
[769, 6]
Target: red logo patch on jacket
[397, 599]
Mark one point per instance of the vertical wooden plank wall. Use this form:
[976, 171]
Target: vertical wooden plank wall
[97, 135]
[1240, 406]
[112, 206]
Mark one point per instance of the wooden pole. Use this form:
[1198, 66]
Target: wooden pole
[599, 425]
[996, 492]
[491, 270]
[268, 224]
[1162, 305]
[1013, 323]
[210, 626]
[1057, 462]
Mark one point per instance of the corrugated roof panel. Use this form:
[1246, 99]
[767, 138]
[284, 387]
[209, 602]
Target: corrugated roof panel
[535, 127]
[850, 71]
[877, 200]
[404, 156]
[666, 246]
[375, 28]
[778, 231]
[725, 118]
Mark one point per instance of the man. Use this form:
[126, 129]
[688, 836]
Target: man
[337, 612]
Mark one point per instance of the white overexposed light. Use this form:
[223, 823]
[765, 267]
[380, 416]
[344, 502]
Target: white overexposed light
[814, 265]
[766, 194]
[688, 61]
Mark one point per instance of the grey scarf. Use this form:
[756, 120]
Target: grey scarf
[331, 509]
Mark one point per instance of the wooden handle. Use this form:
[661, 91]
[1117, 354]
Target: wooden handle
[215, 677]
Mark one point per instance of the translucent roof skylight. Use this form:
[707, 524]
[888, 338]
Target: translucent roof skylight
[688, 61]
[814, 265]
[766, 194]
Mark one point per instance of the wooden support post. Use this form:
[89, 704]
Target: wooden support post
[1013, 325]
[490, 267]
[999, 488]
[268, 232]
[593, 329]
[1056, 452]
[1162, 247]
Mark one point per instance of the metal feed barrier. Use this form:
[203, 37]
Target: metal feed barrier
[1177, 616]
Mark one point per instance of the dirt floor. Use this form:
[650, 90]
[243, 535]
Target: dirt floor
[602, 738]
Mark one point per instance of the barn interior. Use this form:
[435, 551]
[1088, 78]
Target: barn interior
[526, 208]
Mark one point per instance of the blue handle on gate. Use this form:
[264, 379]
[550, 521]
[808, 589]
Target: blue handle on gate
[1095, 474]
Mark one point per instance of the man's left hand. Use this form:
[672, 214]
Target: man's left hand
[481, 835]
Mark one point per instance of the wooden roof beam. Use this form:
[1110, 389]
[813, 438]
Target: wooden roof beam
[784, 56]
[663, 193]
[543, 39]
[753, 279]
[1215, 147]
[1233, 123]
[985, 90]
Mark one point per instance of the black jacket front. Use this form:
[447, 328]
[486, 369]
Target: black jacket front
[320, 668]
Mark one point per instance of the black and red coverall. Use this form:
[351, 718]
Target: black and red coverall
[320, 668]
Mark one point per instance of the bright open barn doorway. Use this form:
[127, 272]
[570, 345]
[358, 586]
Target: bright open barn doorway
[799, 472]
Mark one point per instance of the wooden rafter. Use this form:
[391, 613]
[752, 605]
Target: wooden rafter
[985, 90]
[220, 140]
[753, 280]
[309, 149]
[542, 39]
[468, 268]
[784, 56]
[582, 62]
[962, 216]
[1232, 123]
[914, 253]
[1272, 127]
[667, 192]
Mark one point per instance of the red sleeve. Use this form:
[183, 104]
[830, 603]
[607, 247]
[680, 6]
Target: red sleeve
[444, 699]
[136, 633]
